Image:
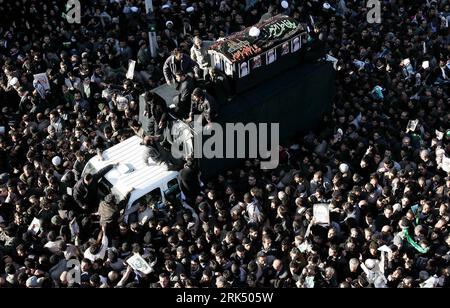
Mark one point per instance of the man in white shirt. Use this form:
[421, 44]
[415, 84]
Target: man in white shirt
[253, 211]
[97, 249]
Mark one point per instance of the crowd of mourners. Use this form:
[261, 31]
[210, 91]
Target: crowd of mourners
[379, 158]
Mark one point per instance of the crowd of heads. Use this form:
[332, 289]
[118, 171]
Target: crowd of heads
[378, 159]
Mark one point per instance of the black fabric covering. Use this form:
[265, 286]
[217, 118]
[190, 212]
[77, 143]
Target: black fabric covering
[266, 71]
[296, 99]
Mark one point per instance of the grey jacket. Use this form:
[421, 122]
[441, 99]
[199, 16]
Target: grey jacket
[200, 55]
[187, 66]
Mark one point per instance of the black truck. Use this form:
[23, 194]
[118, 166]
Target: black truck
[288, 88]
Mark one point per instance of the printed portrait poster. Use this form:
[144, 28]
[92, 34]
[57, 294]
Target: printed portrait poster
[139, 264]
[228, 68]
[131, 67]
[321, 213]
[285, 48]
[43, 80]
[412, 124]
[271, 56]
[35, 226]
[243, 69]
[295, 44]
[256, 62]
[218, 61]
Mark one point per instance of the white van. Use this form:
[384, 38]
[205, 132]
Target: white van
[151, 182]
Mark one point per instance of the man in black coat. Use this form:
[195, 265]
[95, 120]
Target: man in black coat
[183, 100]
[204, 104]
[218, 86]
[189, 182]
[85, 191]
[156, 111]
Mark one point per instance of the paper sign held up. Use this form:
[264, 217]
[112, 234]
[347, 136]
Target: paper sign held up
[131, 67]
[321, 213]
[35, 226]
[139, 264]
[43, 80]
[412, 124]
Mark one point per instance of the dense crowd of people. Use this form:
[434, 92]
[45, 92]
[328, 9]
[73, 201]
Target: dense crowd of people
[379, 159]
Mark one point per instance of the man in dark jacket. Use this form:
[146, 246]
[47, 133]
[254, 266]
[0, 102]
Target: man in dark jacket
[85, 191]
[179, 61]
[156, 111]
[189, 182]
[204, 104]
[183, 100]
[218, 86]
[109, 210]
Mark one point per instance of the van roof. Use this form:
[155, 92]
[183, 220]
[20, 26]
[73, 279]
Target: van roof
[132, 172]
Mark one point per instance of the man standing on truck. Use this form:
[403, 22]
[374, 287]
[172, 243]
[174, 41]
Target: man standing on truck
[179, 61]
[204, 104]
[199, 53]
[218, 86]
[156, 111]
[183, 100]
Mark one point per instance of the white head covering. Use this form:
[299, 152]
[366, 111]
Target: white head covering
[254, 31]
[56, 161]
[343, 168]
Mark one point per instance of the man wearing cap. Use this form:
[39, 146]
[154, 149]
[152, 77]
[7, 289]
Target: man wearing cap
[179, 61]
